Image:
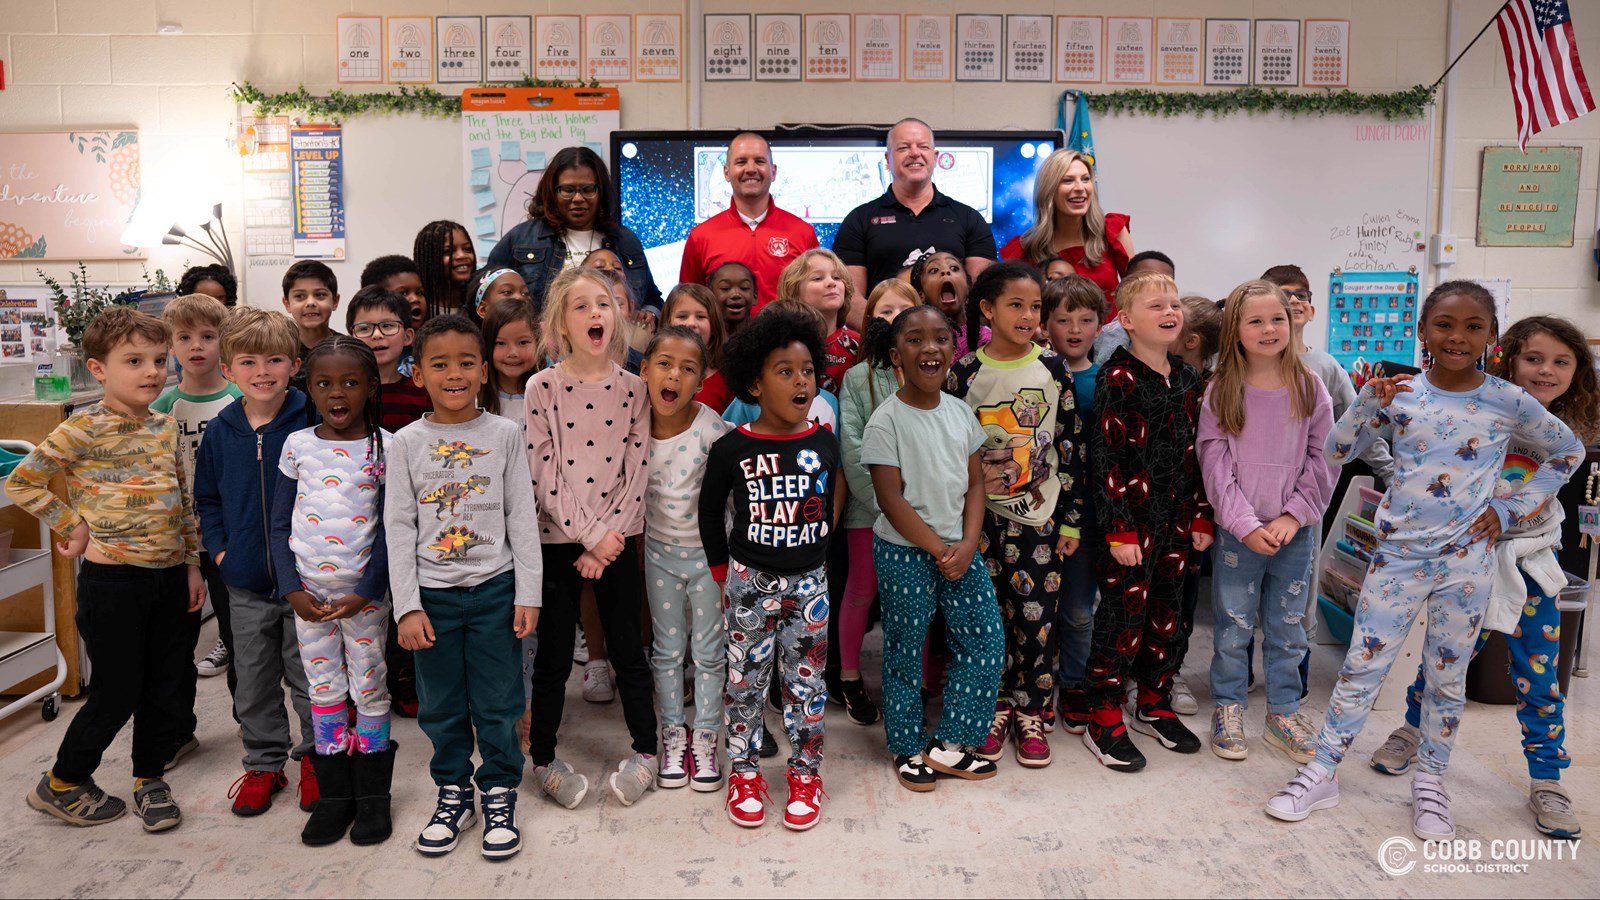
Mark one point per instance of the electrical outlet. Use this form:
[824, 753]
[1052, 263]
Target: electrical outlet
[1444, 249]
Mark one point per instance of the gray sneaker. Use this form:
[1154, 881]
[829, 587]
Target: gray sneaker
[155, 806]
[84, 804]
[633, 777]
[1552, 810]
[184, 749]
[1399, 752]
[561, 784]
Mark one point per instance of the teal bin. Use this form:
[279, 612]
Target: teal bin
[1340, 623]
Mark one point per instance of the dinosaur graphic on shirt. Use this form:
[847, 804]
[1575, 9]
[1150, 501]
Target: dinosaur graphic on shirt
[456, 452]
[446, 496]
[455, 541]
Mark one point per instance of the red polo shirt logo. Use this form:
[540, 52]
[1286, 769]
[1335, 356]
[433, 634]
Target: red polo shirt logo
[778, 246]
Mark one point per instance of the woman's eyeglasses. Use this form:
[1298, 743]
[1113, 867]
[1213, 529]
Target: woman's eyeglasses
[567, 190]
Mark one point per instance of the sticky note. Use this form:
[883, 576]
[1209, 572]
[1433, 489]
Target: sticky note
[486, 247]
[480, 157]
[535, 160]
[484, 197]
[480, 177]
[484, 224]
[510, 150]
[599, 150]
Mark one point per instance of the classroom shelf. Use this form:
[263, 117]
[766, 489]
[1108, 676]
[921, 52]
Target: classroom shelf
[27, 654]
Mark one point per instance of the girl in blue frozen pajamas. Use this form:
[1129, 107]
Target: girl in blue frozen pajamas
[1437, 525]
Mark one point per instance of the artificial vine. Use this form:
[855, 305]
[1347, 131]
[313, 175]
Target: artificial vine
[1407, 104]
[341, 105]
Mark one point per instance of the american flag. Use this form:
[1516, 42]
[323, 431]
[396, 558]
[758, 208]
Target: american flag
[1547, 82]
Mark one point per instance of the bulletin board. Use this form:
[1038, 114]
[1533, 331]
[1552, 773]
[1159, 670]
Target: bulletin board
[1372, 317]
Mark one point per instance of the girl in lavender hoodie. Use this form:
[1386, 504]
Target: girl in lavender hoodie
[1262, 428]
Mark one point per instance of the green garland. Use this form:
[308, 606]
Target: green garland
[341, 105]
[1407, 104]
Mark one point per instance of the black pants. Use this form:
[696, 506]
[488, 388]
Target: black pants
[617, 594]
[218, 591]
[219, 605]
[135, 622]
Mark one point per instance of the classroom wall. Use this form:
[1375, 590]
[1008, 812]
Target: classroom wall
[100, 63]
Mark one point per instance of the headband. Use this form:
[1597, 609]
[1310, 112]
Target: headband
[489, 277]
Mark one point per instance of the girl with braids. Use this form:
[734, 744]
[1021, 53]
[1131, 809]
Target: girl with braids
[325, 530]
[942, 281]
[446, 261]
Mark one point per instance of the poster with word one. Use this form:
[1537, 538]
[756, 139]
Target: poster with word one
[316, 165]
[68, 194]
[460, 49]
[1028, 48]
[510, 50]
[728, 50]
[1372, 317]
[778, 50]
[558, 47]
[360, 45]
[1327, 53]
[1178, 43]
[1528, 199]
[607, 48]
[409, 49]
[1277, 61]
[978, 53]
[1078, 48]
[658, 45]
[509, 136]
[877, 47]
[927, 48]
[1130, 48]
[1228, 51]
[827, 47]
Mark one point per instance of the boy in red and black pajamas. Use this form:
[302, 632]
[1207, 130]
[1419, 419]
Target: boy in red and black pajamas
[1147, 492]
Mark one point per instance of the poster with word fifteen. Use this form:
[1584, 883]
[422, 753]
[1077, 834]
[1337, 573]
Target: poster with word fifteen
[1078, 48]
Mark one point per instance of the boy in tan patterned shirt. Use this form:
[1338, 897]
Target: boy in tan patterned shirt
[130, 515]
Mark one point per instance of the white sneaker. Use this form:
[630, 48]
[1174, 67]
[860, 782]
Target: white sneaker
[1308, 791]
[1183, 702]
[703, 774]
[215, 662]
[674, 771]
[597, 682]
[1430, 808]
[580, 652]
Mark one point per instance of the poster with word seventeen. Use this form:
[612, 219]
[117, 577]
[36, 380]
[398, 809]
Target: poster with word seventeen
[558, 47]
[978, 53]
[607, 48]
[1028, 48]
[460, 49]
[728, 51]
[409, 49]
[1228, 51]
[778, 50]
[1130, 48]
[827, 47]
[1078, 48]
[360, 48]
[927, 48]
[1327, 53]
[510, 52]
[1178, 43]
[1277, 61]
[878, 47]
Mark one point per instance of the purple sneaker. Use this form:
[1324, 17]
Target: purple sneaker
[1309, 791]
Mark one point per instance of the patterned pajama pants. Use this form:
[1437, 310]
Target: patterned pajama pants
[1022, 562]
[1138, 625]
[344, 660]
[776, 621]
[1454, 590]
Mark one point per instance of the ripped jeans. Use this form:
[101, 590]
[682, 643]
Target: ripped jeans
[1249, 589]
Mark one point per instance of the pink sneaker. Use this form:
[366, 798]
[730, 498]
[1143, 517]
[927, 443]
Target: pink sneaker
[1027, 730]
[995, 746]
[1309, 791]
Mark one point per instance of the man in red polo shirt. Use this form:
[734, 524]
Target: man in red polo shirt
[753, 231]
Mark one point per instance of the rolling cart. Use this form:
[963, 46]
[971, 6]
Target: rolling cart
[25, 655]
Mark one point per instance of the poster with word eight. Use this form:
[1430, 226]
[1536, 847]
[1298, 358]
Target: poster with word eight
[558, 47]
[1277, 52]
[360, 50]
[1130, 47]
[607, 48]
[1371, 317]
[878, 47]
[778, 51]
[1327, 53]
[1178, 43]
[1227, 51]
[978, 47]
[827, 47]
[927, 48]
[510, 47]
[658, 44]
[460, 49]
[410, 49]
[728, 50]
[1028, 48]
[1078, 48]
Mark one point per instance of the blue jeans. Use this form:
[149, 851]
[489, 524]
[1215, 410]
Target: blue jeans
[1248, 588]
[1075, 615]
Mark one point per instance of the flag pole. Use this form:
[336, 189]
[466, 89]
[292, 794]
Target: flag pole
[1481, 31]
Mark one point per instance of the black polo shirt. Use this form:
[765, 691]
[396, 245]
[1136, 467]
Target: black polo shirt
[885, 236]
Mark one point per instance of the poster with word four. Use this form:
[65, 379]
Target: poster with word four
[360, 50]
[878, 47]
[608, 48]
[460, 49]
[1277, 62]
[410, 49]
[1078, 48]
[1178, 43]
[509, 56]
[927, 48]
[1227, 51]
[827, 47]
[1327, 53]
[1028, 55]
[658, 46]
[1130, 50]
[728, 51]
[778, 52]
[558, 48]
[978, 53]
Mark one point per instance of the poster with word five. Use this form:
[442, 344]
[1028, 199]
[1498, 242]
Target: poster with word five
[1078, 48]
[1277, 52]
[1028, 48]
[607, 43]
[1227, 51]
[1327, 53]
[877, 47]
[827, 47]
[460, 49]
[557, 48]
[1178, 50]
[410, 49]
[510, 53]
[728, 50]
[978, 54]
[658, 44]
[1131, 49]
[360, 49]
[927, 48]
[778, 50]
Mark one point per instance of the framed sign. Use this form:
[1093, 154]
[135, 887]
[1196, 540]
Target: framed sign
[1528, 199]
[68, 194]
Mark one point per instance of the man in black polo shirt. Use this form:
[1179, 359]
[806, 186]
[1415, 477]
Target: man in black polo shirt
[881, 236]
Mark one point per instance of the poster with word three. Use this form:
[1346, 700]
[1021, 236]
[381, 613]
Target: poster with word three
[460, 49]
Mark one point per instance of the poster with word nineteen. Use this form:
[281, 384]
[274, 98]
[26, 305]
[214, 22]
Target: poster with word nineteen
[1277, 61]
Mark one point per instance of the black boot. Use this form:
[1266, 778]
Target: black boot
[373, 774]
[336, 808]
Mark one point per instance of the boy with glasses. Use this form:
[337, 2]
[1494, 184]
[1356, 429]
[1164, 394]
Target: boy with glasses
[381, 320]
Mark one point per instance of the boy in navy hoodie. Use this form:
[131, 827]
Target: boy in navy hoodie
[236, 476]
